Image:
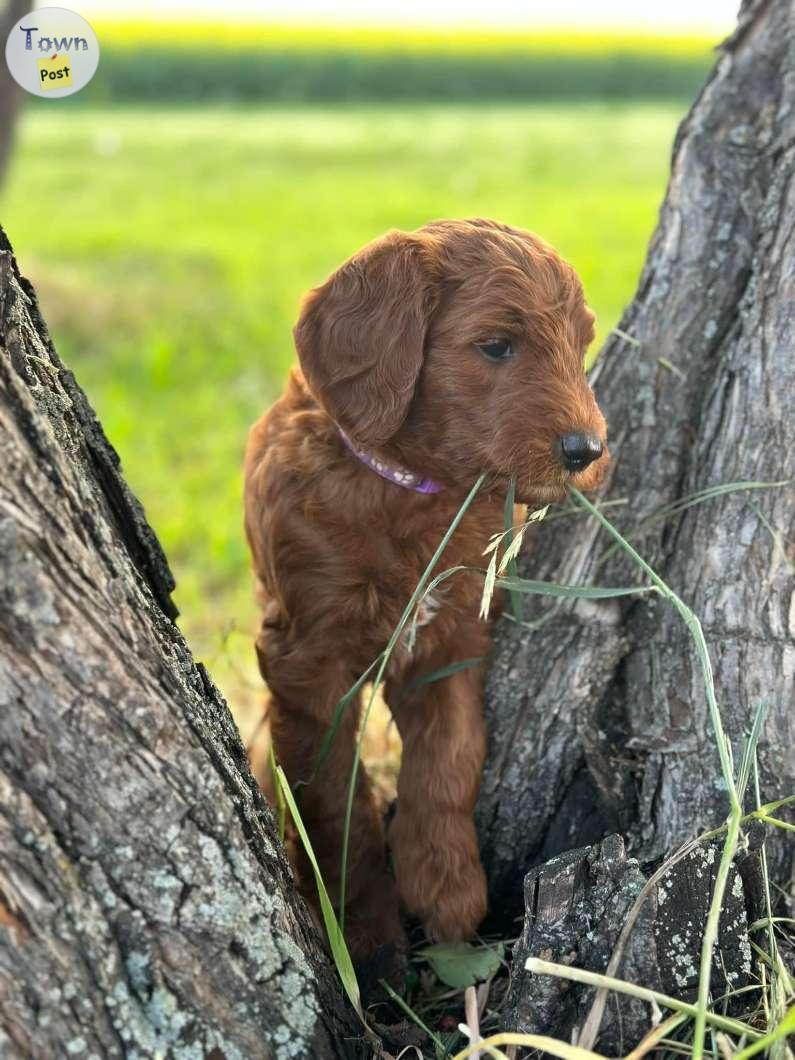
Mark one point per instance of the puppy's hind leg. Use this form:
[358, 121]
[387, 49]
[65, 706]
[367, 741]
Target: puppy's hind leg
[304, 693]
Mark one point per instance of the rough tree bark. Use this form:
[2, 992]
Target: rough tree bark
[146, 907]
[10, 92]
[597, 717]
[576, 906]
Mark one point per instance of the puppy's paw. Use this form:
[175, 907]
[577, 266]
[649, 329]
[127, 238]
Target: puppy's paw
[441, 882]
[459, 908]
[372, 922]
[388, 963]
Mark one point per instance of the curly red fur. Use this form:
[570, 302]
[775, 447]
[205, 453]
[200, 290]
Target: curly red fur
[388, 348]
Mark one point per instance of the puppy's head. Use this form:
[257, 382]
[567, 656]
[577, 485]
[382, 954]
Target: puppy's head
[457, 349]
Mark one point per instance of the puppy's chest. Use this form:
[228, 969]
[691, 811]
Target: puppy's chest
[457, 597]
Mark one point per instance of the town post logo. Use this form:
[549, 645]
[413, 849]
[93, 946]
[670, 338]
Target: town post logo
[52, 52]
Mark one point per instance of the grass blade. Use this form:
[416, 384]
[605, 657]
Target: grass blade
[517, 604]
[749, 751]
[339, 950]
[777, 822]
[621, 986]
[644, 1047]
[696, 632]
[441, 674]
[412, 1015]
[531, 1041]
[781, 985]
[779, 544]
[666, 511]
[784, 1028]
[281, 806]
[573, 592]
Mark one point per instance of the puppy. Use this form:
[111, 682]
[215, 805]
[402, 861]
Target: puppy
[427, 358]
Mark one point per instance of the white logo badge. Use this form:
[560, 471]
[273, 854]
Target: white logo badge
[52, 52]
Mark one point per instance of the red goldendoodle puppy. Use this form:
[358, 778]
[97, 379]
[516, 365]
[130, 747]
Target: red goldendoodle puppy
[426, 359]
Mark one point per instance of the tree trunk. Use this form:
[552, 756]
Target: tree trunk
[597, 717]
[10, 92]
[146, 907]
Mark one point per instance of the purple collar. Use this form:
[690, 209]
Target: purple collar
[401, 476]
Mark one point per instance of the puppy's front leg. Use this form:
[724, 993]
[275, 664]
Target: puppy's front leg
[304, 689]
[433, 839]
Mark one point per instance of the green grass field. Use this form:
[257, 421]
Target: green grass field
[155, 60]
[170, 249]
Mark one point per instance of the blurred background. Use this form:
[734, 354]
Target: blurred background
[227, 158]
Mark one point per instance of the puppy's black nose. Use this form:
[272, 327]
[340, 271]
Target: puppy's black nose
[578, 450]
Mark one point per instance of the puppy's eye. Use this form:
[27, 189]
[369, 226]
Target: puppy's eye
[496, 349]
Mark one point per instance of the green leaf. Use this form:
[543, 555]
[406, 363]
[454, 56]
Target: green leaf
[460, 964]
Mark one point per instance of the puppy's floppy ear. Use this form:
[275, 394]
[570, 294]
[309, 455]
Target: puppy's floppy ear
[589, 328]
[361, 335]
